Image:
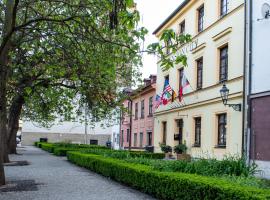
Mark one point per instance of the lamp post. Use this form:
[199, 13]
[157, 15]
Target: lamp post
[224, 93]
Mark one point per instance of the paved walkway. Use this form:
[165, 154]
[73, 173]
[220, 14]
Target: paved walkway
[53, 178]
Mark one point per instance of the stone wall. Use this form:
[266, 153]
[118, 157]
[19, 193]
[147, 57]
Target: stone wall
[28, 138]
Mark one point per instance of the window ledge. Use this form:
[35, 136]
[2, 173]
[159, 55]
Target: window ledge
[150, 115]
[196, 146]
[220, 146]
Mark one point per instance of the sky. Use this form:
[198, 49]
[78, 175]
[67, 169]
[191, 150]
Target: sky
[153, 13]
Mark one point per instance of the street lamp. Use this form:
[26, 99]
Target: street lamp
[224, 93]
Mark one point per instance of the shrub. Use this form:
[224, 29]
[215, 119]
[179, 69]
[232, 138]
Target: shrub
[165, 185]
[47, 147]
[165, 148]
[180, 148]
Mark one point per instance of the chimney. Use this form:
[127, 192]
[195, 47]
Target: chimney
[153, 78]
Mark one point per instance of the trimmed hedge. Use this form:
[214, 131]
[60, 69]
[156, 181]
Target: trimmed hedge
[47, 147]
[166, 185]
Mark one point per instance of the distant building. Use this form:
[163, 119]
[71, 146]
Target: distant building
[137, 126]
[72, 132]
[214, 58]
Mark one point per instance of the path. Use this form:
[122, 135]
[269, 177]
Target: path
[53, 178]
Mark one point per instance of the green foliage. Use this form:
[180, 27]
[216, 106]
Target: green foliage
[180, 148]
[230, 166]
[164, 185]
[165, 148]
[168, 49]
[121, 154]
[47, 147]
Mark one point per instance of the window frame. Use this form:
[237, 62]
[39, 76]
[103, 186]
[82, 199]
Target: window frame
[223, 67]
[149, 138]
[199, 84]
[222, 137]
[200, 14]
[141, 139]
[223, 4]
[197, 135]
[136, 111]
[182, 27]
[135, 140]
[142, 109]
[150, 107]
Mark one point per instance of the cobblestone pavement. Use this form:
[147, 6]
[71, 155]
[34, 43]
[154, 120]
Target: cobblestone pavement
[53, 178]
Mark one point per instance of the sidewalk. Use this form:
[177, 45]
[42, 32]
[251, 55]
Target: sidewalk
[53, 178]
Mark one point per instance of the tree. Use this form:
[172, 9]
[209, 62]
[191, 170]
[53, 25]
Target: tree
[51, 51]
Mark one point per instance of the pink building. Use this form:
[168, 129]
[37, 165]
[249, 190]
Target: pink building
[137, 133]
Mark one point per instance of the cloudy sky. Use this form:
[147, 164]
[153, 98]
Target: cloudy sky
[153, 13]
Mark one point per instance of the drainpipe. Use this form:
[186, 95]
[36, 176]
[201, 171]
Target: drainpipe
[247, 81]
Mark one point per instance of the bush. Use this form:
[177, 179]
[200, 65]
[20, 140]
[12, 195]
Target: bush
[165, 148]
[165, 185]
[180, 148]
[47, 147]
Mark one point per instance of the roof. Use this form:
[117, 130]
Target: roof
[179, 8]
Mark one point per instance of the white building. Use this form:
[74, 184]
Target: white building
[73, 132]
[257, 84]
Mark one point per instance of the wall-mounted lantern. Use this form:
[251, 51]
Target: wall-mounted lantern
[224, 93]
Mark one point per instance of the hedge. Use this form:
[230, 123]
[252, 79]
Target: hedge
[166, 185]
[47, 147]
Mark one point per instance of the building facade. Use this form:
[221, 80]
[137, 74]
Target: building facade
[71, 132]
[214, 58]
[137, 127]
[257, 84]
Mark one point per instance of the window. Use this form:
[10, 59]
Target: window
[122, 138]
[181, 75]
[150, 106]
[182, 27]
[136, 110]
[200, 18]
[222, 122]
[223, 7]
[197, 132]
[129, 106]
[164, 132]
[223, 68]
[199, 73]
[167, 46]
[135, 140]
[128, 135]
[142, 109]
[141, 139]
[149, 138]
[166, 81]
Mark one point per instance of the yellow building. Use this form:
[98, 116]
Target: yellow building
[215, 56]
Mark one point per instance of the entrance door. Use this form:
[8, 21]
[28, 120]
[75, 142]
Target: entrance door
[180, 125]
[260, 129]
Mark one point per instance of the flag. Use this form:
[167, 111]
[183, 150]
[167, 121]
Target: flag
[173, 95]
[165, 97]
[158, 101]
[184, 84]
[167, 86]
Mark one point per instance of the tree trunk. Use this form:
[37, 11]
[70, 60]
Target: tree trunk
[9, 23]
[13, 122]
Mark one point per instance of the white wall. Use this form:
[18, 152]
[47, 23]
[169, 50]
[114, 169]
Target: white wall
[261, 49]
[65, 127]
